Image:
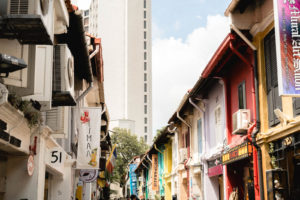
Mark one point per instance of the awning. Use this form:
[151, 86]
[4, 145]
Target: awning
[75, 38]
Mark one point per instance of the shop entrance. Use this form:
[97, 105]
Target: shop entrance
[47, 187]
[240, 178]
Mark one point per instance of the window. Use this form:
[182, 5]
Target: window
[145, 98]
[144, 3]
[145, 109]
[145, 136]
[145, 45]
[145, 66]
[218, 125]
[145, 35]
[199, 134]
[242, 95]
[145, 55]
[145, 120]
[145, 24]
[274, 100]
[145, 87]
[145, 129]
[145, 77]
[145, 14]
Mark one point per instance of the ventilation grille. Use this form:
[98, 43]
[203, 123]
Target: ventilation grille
[57, 69]
[18, 7]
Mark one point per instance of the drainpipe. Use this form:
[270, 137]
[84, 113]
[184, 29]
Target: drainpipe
[147, 156]
[85, 92]
[155, 147]
[254, 134]
[255, 105]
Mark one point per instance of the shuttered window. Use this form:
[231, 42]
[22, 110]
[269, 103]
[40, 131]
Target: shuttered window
[274, 100]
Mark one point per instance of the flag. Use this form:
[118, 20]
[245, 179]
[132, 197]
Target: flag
[111, 162]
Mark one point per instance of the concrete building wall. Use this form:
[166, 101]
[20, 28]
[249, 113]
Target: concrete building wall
[125, 29]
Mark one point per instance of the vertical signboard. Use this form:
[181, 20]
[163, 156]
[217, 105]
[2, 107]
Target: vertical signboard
[155, 175]
[133, 179]
[88, 126]
[287, 15]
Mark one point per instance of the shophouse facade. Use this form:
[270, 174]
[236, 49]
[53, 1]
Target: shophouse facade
[45, 75]
[278, 135]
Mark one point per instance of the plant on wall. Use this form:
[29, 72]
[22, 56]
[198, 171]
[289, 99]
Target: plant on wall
[32, 115]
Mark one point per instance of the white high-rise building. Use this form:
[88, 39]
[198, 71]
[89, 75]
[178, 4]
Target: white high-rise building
[125, 29]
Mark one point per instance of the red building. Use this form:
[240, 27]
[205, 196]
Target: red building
[234, 64]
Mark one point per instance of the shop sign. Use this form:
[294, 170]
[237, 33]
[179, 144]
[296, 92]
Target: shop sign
[88, 124]
[215, 167]
[237, 153]
[30, 165]
[155, 175]
[88, 175]
[133, 179]
[287, 25]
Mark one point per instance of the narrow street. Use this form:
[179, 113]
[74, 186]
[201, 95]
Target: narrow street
[149, 100]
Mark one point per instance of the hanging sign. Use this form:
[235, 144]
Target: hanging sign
[155, 174]
[133, 179]
[237, 153]
[287, 34]
[88, 125]
[88, 175]
[215, 167]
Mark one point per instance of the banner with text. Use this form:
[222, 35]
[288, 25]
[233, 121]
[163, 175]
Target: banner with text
[287, 15]
[155, 174]
[88, 126]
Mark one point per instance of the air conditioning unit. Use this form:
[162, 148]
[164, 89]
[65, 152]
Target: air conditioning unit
[63, 77]
[29, 21]
[240, 122]
[37, 76]
[182, 154]
[58, 120]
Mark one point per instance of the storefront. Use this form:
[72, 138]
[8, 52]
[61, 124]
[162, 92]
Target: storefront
[283, 177]
[239, 171]
[213, 179]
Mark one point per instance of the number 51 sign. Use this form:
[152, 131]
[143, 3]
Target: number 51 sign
[56, 157]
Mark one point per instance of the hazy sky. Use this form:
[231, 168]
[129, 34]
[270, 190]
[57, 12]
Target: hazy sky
[185, 34]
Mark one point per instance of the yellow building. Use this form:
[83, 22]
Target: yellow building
[279, 136]
[168, 169]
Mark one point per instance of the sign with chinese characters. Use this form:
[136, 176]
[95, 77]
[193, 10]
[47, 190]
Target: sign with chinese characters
[287, 16]
[237, 153]
[88, 126]
[155, 175]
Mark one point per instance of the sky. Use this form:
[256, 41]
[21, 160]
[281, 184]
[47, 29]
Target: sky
[185, 34]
